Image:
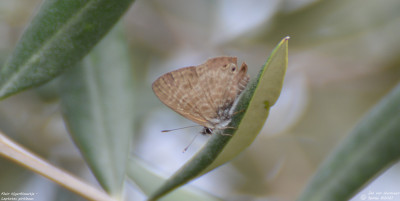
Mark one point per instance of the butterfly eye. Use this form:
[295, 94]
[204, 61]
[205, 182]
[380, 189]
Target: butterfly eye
[224, 65]
[233, 69]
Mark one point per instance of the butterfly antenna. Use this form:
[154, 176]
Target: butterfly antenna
[164, 131]
[187, 147]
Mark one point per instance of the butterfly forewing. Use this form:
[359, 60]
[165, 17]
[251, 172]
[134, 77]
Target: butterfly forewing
[175, 89]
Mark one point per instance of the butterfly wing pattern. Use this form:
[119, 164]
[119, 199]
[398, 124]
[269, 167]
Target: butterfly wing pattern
[205, 93]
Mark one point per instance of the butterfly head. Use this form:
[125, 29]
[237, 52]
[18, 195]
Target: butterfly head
[206, 131]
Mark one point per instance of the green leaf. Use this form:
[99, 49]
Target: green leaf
[147, 181]
[97, 106]
[60, 35]
[251, 113]
[370, 148]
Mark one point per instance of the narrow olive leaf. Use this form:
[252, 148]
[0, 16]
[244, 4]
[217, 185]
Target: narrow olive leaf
[140, 173]
[369, 149]
[60, 35]
[251, 112]
[98, 109]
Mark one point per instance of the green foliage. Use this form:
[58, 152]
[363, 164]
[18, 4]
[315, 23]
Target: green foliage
[369, 149]
[98, 109]
[59, 36]
[98, 96]
[147, 180]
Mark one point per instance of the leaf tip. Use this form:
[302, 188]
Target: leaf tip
[286, 38]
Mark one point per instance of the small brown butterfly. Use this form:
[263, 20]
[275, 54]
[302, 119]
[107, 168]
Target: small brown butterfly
[205, 93]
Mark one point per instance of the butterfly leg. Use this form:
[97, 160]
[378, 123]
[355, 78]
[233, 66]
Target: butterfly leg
[226, 134]
[237, 112]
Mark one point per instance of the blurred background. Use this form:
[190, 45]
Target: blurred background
[343, 58]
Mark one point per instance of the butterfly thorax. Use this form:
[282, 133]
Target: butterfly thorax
[222, 119]
[220, 122]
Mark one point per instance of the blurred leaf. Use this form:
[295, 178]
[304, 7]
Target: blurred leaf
[139, 172]
[97, 105]
[370, 148]
[61, 34]
[12, 175]
[324, 21]
[252, 111]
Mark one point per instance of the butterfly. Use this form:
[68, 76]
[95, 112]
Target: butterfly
[204, 94]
